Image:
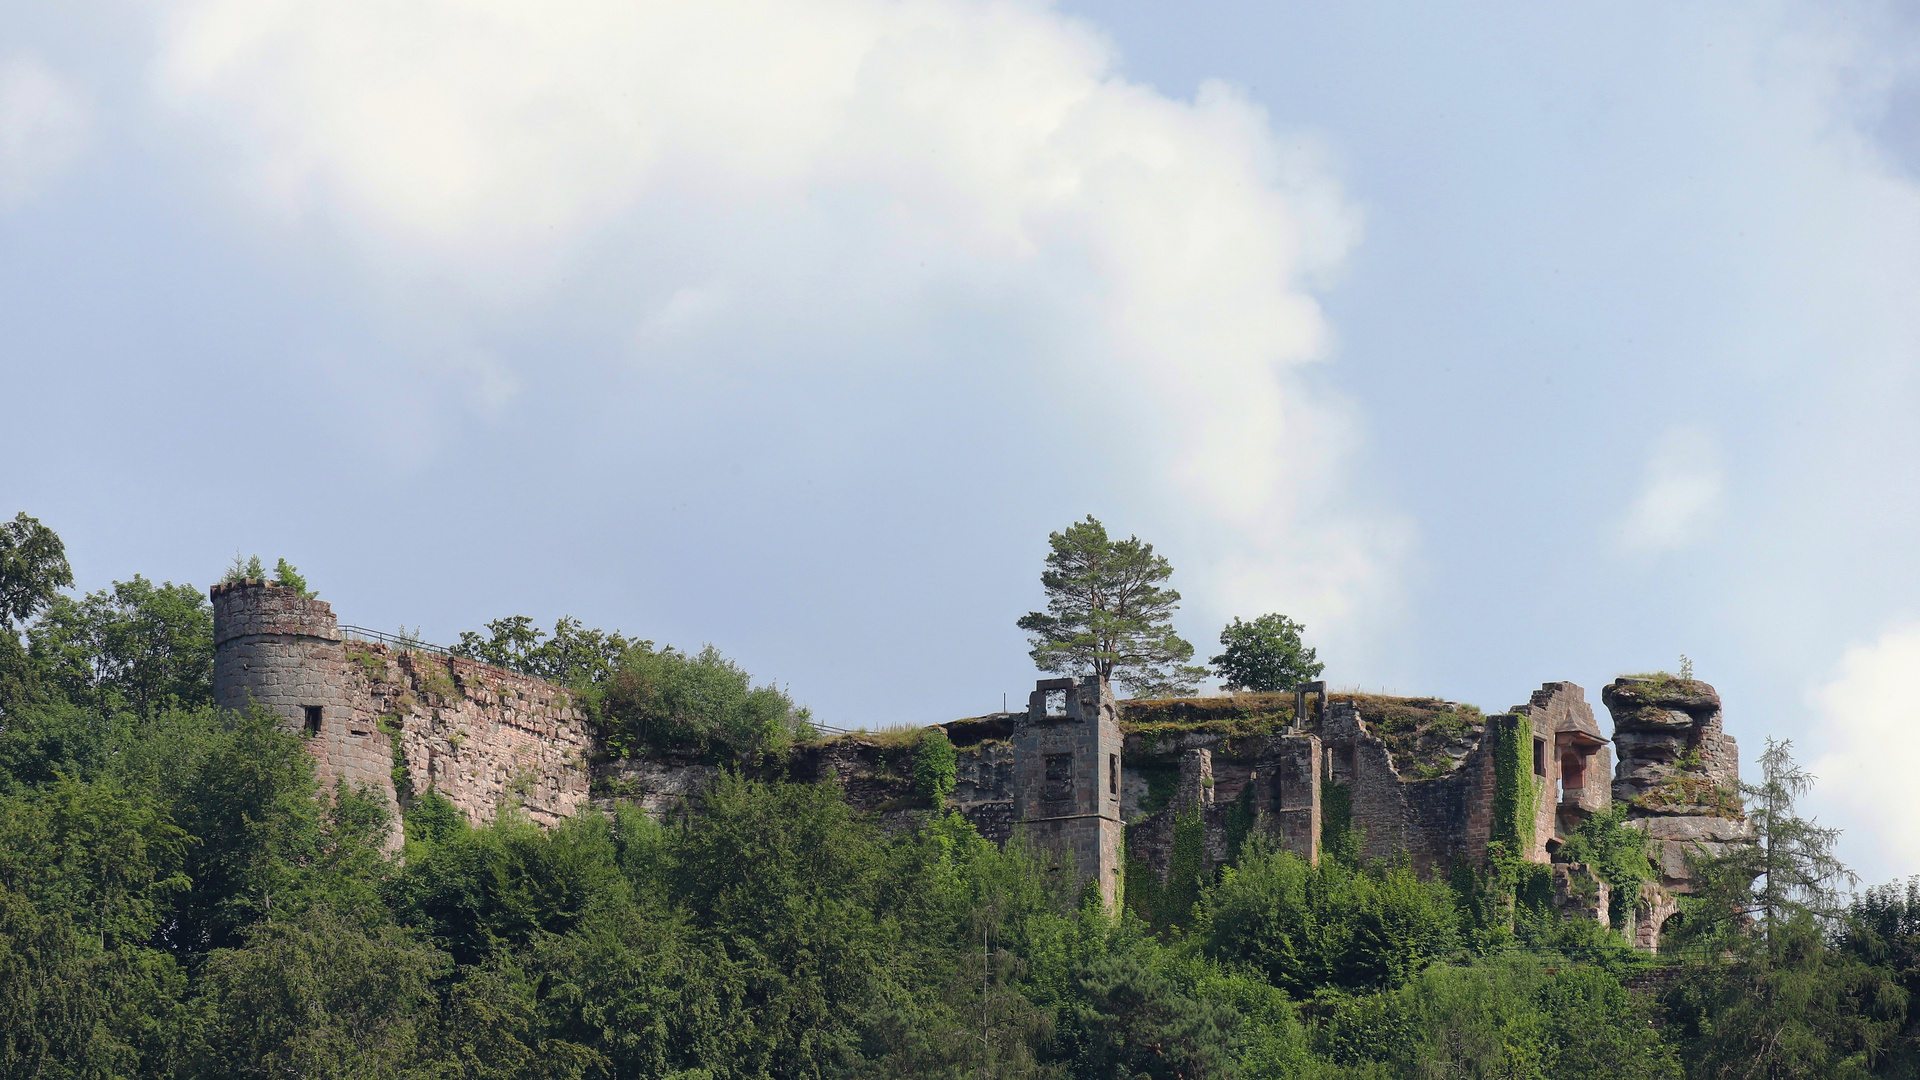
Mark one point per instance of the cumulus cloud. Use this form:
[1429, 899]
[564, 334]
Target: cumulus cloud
[825, 166]
[1870, 735]
[1681, 496]
[43, 125]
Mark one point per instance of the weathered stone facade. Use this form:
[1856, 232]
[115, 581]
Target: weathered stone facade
[1419, 779]
[481, 736]
[1429, 795]
[1066, 779]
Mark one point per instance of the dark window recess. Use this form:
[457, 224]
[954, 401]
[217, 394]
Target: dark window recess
[1113, 774]
[1573, 770]
[313, 719]
[1278, 795]
[1539, 757]
[1059, 783]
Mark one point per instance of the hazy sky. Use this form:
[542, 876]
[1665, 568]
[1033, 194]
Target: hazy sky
[1497, 342]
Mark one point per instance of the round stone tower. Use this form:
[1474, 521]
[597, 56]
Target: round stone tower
[277, 648]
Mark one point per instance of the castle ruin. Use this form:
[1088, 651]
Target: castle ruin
[1429, 781]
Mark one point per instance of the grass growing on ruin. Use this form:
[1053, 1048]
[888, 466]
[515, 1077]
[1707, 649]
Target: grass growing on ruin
[1161, 719]
[372, 664]
[1420, 732]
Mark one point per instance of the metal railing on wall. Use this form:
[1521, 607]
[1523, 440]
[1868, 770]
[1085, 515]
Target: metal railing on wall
[398, 641]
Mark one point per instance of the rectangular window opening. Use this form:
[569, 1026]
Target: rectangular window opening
[313, 720]
[1056, 703]
[1059, 777]
[1113, 774]
[1539, 757]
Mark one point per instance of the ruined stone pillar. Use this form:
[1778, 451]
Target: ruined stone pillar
[1196, 779]
[1294, 796]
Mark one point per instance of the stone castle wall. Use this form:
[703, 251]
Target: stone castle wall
[481, 736]
[1066, 779]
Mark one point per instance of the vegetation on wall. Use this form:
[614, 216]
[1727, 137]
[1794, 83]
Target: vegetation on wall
[669, 699]
[935, 768]
[1618, 853]
[571, 656]
[1515, 796]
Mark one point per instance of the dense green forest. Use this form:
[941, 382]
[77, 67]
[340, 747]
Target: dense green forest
[177, 899]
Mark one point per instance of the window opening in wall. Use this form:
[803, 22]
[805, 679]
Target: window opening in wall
[1056, 703]
[1573, 771]
[1059, 777]
[1539, 757]
[1277, 794]
[313, 720]
[1113, 774]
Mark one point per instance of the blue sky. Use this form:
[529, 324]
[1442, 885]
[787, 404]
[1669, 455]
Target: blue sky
[1499, 343]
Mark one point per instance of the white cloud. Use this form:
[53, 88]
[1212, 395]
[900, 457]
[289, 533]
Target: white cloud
[825, 167]
[1682, 496]
[43, 125]
[1870, 732]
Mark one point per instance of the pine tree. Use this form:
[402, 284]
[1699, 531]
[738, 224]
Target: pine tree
[1109, 613]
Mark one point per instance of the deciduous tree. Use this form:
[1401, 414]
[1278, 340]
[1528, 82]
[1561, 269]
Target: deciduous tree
[33, 568]
[1265, 655]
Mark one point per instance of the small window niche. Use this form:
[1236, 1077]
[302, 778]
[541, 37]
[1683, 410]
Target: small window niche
[1059, 777]
[1539, 757]
[313, 720]
[1113, 774]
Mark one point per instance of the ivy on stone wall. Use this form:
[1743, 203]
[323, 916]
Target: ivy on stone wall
[1140, 890]
[1187, 871]
[1513, 788]
[402, 777]
[1339, 840]
[1239, 821]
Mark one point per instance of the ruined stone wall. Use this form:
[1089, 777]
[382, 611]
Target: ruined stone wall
[983, 788]
[278, 648]
[1294, 795]
[1449, 818]
[1066, 780]
[874, 775]
[1441, 813]
[481, 736]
